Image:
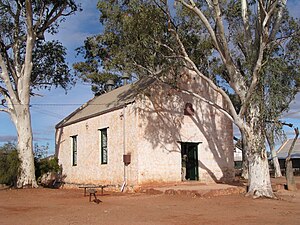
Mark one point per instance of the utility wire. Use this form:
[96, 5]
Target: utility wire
[47, 112]
[58, 104]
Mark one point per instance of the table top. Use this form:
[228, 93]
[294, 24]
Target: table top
[94, 186]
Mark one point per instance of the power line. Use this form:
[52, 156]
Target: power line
[58, 104]
[291, 113]
[47, 112]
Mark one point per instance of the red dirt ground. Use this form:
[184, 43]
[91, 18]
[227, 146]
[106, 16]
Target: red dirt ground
[60, 206]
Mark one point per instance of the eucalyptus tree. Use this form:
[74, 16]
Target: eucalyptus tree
[280, 90]
[281, 84]
[229, 44]
[28, 62]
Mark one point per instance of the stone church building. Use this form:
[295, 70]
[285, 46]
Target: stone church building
[146, 133]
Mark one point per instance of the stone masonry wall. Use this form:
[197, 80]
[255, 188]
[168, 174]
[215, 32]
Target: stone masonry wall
[89, 169]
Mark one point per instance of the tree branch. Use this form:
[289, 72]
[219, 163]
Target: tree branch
[267, 14]
[27, 66]
[155, 76]
[40, 19]
[51, 18]
[245, 17]
[5, 77]
[221, 109]
[220, 25]
[10, 67]
[202, 17]
[258, 64]
[146, 69]
[293, 144]
[8, 7]
[255, 77]
[236, 79]
[277, 22]
[16, 45]
[209, 81]
[164, 45]
[5, 110]
[3, 91]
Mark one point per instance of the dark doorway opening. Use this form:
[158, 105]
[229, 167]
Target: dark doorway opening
[189, 159]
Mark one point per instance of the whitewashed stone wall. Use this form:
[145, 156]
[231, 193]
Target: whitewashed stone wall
[163, 126]
[154, 127]
[89, 169]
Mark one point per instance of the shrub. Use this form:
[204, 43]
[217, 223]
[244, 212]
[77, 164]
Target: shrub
[46, 165]
[43, 164]
[9, 164]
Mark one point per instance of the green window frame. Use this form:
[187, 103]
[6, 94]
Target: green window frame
[104, 149]
[74, 150]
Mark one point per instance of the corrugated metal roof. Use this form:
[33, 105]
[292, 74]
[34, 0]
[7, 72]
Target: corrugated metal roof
[282, 152]
[107, 102]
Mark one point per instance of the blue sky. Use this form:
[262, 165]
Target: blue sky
[48, 110]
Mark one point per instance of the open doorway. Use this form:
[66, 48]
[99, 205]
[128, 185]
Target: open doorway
[189, 161]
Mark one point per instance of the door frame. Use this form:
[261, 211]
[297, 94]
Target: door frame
[185, 166]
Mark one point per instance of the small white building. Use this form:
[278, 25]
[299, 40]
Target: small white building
[238, 157]
[146, 133]
[282, 154]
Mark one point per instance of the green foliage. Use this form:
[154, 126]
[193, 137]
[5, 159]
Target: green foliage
[43, 166]
[43, 163]
[29, 62]
[280, 78]
[49, 66]
[135, 41]
[139, 38]
[9, 164]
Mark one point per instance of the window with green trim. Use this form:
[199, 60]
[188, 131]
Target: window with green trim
[74, 150]
[104, 150]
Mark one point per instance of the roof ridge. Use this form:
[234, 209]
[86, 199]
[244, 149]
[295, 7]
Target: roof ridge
[281, 147]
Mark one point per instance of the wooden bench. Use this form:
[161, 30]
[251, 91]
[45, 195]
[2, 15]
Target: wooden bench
[85, 187]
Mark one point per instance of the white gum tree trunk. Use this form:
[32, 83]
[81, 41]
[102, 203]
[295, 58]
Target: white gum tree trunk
[259, 32]
[276, 163]
[22, 121]
[259, 176]
[245, 168]
[270, 140]
[259, 182]
[25, 22]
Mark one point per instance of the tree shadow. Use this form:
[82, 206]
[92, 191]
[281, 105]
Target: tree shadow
[161, 108]
[60, 176]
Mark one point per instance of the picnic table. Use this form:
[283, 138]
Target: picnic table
[93, 187]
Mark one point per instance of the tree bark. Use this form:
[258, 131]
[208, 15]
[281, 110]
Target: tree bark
[270, 140]
[22, 121]
[271, 143]
[245, 170]
[289, 174]
[29, 22]
[276, 163]
[259, 176]
[259, 182]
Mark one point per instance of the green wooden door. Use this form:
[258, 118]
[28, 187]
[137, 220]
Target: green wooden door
[189, 152]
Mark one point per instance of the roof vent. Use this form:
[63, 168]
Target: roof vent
[125, 78]
[109, 85]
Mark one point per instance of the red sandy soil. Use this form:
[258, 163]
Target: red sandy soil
[61, 206]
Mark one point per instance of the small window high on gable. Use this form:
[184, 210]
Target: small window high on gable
[188, 109]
